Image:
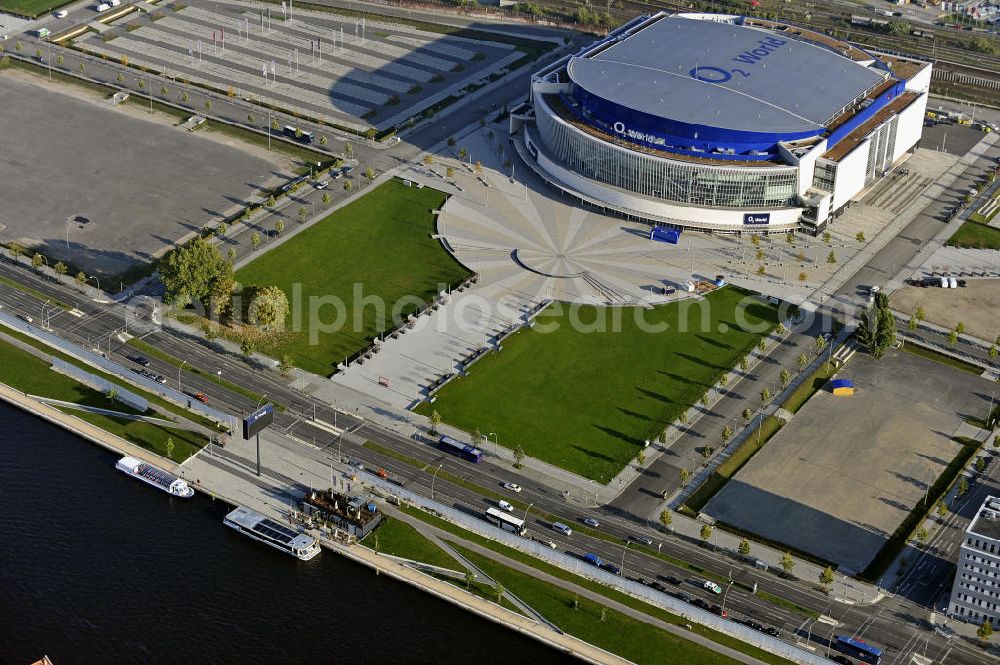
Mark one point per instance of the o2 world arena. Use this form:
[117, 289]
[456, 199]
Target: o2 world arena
[720, 123]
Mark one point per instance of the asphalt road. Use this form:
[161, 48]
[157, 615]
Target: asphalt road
[895, 623]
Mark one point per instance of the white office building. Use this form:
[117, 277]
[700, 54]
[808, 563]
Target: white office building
[975, 596]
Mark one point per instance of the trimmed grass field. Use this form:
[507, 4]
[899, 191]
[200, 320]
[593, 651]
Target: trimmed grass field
[609, 629]
[377, 248]
[31, 8]
[23, 371]
[587, 401]
[979, 236]
[398, 538]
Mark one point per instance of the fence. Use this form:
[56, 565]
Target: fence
[111, 367]
[100, 383]
[578, 566]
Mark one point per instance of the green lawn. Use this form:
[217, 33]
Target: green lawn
[606, 628]
[31, 8]
[23, 371]
[398, 538]
[971, 234]
[379, 247]
[586, 401]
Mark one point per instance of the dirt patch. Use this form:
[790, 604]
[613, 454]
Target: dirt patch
[977, 306]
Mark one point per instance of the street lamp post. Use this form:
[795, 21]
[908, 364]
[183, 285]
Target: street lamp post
[526, 511]
[98, 281]
[180, 388]
[624, 551]
[496, 444]
[726, 594]
[434, 478]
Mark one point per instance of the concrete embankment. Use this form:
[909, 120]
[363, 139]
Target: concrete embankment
[363, 555]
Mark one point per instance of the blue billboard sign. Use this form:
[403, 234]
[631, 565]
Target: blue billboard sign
[258, 420]
[752, 218]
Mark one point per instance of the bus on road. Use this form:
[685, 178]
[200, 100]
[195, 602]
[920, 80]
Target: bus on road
[459, 449]
[505, 521]
[857, 648]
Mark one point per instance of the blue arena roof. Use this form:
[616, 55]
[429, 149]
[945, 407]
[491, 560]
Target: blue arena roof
[723, 75]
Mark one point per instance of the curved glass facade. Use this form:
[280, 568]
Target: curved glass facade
[753, 188]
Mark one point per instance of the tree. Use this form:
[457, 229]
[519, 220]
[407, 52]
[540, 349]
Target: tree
[251, 119]
[762, 345]
[952, 337]
[348, 186]
[61, 268]
[120, 78]
[81, 278]
[685, 476]
[435, 421]
[482, 123]
[59, 59]
[518, 456]
[785, 377]
[727, 433]
[790, 238]
[37, 260]
[765, 395]
[831, 258]
[469, 578]
[706, 532]
[761, 270]
[921, 535]
[942, 509]
[985, 631]
[877, 330]
[744, 547]
[787, 563]
[248, 345]
[993, 352]
[802, 361]
[803, 276]
[899, 28]
[755, 240]
[462, 153]
[747, 415]
[478, 166]
[963, 486]
[231, 254]
[760, 255]
[370, 134]
[640, 457]
[369, 174]
[666, 519]
[827, 237]
[349, 149]
[112, 394]
[919, 313]
[15, 249]
[170, 447]
[269, 308]
[451, 141]
[500, 591]
[744, 363]
[960, 328]
[449, 172]
[912, 324]
[302, 213]
[279, 227]
[208, 104]
[220, 296]
[254, 240]
[323, 140]
[820, 343]
[860, 236]
[326, 198]
[980, 465]
[780, 328]
[270, 201]
[826, 577]
[285, 364]
[83, 65]
[189, 271]
[428, 160]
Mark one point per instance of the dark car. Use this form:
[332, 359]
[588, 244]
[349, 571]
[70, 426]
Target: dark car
[843, 660]
[611, 568]
[683, 597]
[141, 361]
[773, 632]
[639, 580]
[657, 586]
[715, 609]
[670, 579]
[702, 603]
[750, 623]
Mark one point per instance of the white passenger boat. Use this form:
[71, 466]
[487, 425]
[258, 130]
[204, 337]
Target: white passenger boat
[155, 476]
[278, 536]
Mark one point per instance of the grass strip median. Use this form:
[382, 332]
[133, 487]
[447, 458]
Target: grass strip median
[597, 624]
[596, 587]
[931, 354]
[34, 293]
[33, 376]
[154, 352]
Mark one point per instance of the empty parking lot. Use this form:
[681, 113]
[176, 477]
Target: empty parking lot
[107, 188]
[839, 478]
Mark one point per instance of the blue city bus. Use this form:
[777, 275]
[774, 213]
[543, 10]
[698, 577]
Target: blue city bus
[463, 450]
[857, 648]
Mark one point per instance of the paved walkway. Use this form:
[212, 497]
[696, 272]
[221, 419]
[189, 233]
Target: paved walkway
[583, 592]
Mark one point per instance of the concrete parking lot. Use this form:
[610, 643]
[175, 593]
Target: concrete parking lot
[107, 188]
[839, 478]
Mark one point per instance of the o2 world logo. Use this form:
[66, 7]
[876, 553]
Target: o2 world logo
[750, 56]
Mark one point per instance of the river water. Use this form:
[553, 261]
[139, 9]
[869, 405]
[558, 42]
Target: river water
[98, 568]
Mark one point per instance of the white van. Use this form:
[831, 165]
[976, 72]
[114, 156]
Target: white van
[562, 528]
